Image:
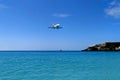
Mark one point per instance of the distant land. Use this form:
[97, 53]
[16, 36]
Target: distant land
[107, 46]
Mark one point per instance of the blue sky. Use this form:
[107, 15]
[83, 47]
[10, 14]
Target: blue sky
[24, 24]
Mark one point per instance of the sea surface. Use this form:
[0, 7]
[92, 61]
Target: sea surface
[45, 65]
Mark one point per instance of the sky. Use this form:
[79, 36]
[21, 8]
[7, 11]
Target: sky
[24, 24]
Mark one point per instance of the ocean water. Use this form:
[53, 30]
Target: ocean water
[59, 65]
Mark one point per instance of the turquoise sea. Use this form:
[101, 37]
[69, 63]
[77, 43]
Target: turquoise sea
[59, 65]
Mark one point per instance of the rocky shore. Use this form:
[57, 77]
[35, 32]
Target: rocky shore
[107, 46]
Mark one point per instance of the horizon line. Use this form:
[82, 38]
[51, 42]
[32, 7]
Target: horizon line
[38, 50]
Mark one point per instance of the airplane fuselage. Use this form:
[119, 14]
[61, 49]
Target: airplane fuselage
[56, 26]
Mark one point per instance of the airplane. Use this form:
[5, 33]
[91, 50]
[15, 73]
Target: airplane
[55, 26]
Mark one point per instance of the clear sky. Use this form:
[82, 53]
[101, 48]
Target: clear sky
[24, 24]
